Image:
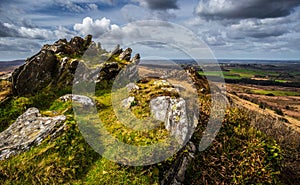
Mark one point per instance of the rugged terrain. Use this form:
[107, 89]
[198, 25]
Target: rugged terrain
[41, 142]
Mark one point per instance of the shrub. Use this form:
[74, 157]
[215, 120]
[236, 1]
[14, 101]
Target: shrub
[279, 112]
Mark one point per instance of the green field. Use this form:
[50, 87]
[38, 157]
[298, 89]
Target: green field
[245, 73]
[281, 81]
[239, 73]
[225, 74]
[276, 93]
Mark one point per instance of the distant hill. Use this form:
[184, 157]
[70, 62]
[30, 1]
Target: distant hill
[6, 66]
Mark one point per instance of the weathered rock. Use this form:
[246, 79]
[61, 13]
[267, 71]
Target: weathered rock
[132, 86]
[109, 71]
[126, 55]
[45, 68]
[127, 102]
[161, 83]
[116, 51]
[55, 66]
[83, 100]
[176, 174]
[30, 129]
[199, 81]
[35, 74]
[136, 59]
[80, 45]
[173, 113]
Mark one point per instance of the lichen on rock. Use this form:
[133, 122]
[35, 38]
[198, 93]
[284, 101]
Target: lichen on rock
[28, 130]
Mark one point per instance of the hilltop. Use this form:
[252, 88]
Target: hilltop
[41, 141]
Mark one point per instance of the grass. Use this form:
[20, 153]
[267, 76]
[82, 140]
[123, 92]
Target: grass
[276, 93]
[225, 74]
[69, 159]
[246, 73]
[281, 81]
[240, 154]
[238, 73]
[11, 108]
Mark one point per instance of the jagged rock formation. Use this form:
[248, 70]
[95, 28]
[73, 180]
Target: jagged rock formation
[47, 68]
[29, 129]
[55, 65]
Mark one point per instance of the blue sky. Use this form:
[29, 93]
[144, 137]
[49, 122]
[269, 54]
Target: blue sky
[244, 29]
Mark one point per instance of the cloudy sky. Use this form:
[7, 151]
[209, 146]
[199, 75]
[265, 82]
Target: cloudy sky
[243, 29]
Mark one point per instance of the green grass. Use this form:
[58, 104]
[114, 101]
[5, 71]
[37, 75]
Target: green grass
[69, 159]
[281, 81]
[226, 74]
[238, 73]
[276, 93]
[239, 155]
[247, 73]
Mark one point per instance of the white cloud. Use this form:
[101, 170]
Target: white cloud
[37, 33]
[95, 28]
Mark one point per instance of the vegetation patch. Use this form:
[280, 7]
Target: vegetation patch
[275, 93]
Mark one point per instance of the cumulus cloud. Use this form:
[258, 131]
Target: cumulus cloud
[96, 28]
[232, 9]
[12, 30]
[158, 4]
[19, 44]
[256, 29]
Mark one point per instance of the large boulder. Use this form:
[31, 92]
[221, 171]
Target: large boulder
[173, 112]
[28, 130]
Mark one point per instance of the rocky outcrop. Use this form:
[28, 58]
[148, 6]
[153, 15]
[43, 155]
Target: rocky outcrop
[173, 113]
[126, 55]
[36, 73]
[47, 68]
[28, 130]
[55, 65]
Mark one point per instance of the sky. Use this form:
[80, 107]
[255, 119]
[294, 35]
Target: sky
[231, 29]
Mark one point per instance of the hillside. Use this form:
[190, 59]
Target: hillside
[74, 100]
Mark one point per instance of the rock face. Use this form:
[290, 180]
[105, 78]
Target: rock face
[46, 68]
[55, 65]
[29, 129]
[174, 114]
[126, 55]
